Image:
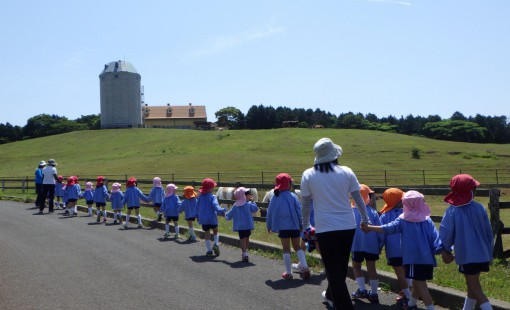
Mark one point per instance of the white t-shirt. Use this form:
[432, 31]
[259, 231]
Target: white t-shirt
[331, 197]
[48, 173]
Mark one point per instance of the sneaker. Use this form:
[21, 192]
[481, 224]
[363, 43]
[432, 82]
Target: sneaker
[246, 259]
[114, 221]
[407, 307]
[209, 253]
[104, 219]
[359, 294]
[166, 235]
[193, 238]
[296, 268]
[327, 300]
[177, 236]
[98, 218]
[125, 225]
[66, 212]
[160, 217]
[139, 226]
[75, 214]
[40, 212]
[305, 273]
[287, 276]
[401, 300]
[373, 297]
[216, 249]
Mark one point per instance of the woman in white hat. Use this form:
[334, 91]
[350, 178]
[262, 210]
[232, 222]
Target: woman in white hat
[331, 187]
[48, 185]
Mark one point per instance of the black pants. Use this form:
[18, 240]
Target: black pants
[38, 190]
[335, 249]
[48, 191]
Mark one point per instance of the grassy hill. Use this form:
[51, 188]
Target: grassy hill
[149, 152]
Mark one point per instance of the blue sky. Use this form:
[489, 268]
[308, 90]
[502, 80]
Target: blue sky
[387, 57]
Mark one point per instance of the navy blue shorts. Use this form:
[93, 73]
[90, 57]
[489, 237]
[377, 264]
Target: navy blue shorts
[133, 207]
[244, 233]
[419, 272]
[474, 268]
[395, 262]
[172, 218]
[100, 204]
[90, 202]
[361, 256]
[157, 204]
[190, 219]
[72, 200]
[208, 227]
[294, 233]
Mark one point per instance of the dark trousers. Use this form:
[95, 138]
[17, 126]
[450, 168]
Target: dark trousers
[48, 191]
[38, 190]
[335, 249]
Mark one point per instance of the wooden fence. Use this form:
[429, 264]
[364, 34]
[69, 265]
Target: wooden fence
[494, 194]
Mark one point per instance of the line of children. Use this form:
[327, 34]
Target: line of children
[170, 208]
[189, 206]
[366, 246]
[208, 210]
[88, 195]
[116, 197]
[72, 193]
[132, 198]
[156, 195]
[241, 215]
[284, 216]
[100, 197]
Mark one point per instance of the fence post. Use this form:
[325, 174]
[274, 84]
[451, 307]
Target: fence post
[385, 178]
[3, 185]
[22, 186]
[262, 179]
[173, 178]
[497, 177]
[496, 223]
[423, 175]
[218, 177]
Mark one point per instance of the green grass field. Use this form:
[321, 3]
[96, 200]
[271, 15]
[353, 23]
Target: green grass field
[145, 153]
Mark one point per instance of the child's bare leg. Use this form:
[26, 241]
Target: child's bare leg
[356, 269]
[243, 244]
[420, 289]
[474, 288]
[372, 271]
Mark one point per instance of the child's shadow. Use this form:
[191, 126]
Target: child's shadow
[284, 284]
[94, 223]
[205, 259]
[163, 239]
[239, 264]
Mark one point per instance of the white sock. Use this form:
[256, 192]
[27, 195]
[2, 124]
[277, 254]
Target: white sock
[245, 254]
[208, 245]
[167, 228]
[486, 306]
[75, 209]
[430, 307]
[127, 218]
[139, 219]
[104, 214]
[120, 215]
[287, 261]
[192, 231]
[114, 216]
[361, 283]
[216, 239]
[176, 229]
[90, 211]
[302, 258]
[407, 293]
[98, 212]
[409, 282]
[469, 303]
[374, 285]
[412, 302]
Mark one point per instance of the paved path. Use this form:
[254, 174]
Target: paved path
[54, 262]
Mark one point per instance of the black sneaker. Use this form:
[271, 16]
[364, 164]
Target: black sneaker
[160, 217]
[373, 297]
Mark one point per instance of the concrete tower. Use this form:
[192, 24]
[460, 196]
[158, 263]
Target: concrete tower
[121, 97]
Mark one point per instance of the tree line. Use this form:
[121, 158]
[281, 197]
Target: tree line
[477, 129]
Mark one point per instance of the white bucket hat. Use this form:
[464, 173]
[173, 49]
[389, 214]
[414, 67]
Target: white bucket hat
[326, 151]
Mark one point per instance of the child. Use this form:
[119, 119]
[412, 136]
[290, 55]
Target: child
[116, 197]
[73, 193]
[241, 215]
[100, 197]
[466, 226]
[59, 192]
[157, 195]
[208, 209]
[284, 216]
[132, 200]
[89, 197]
[391, 211]
[189, 206]
[420, 241]
[170, 208]
[366, 246]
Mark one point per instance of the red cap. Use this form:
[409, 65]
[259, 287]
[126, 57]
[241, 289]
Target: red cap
[131, 182]
[462, 186]
[283, 181]
[207, 184]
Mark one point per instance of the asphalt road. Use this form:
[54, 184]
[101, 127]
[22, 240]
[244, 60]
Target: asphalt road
[54, 262]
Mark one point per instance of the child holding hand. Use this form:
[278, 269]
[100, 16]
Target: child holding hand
[88, 195]
[116, 197]
[132, 198]
[170, 208]
[208, 209]
[100, 198]
[189, 206]
[156, 195]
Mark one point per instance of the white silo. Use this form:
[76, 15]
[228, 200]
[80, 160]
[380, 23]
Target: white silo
[120, 93]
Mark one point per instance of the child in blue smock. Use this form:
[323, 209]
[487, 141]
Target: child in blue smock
[420, 242]
[392, 243]
[116, 197]
[100, 198]
[170, 208]
[466, 226]
[284, 216]
[366, 246]
[208, 209]
[88, 195]
[241, 215]
[156, 195]
[132, 198]
[59, 192]
[189, 206]
[73, 193]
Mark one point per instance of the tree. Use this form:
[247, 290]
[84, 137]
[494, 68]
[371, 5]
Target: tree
[230, 117]
[92, 121]
[455, 130]
[45, 125]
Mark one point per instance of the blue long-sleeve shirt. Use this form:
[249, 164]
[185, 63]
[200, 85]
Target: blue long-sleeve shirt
[156, 195]
[242, 216]
[392, 243]
[420, 240]
[73, 191]
[101, 194]
[468, 229]
[284, 212]
[189, 206]
[132, 197]
[170, 205]
[88, 195]
[38, 176]
[371, 242]
[208, 209]
[116, 200]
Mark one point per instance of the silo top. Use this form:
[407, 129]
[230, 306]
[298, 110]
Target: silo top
[119, 66]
